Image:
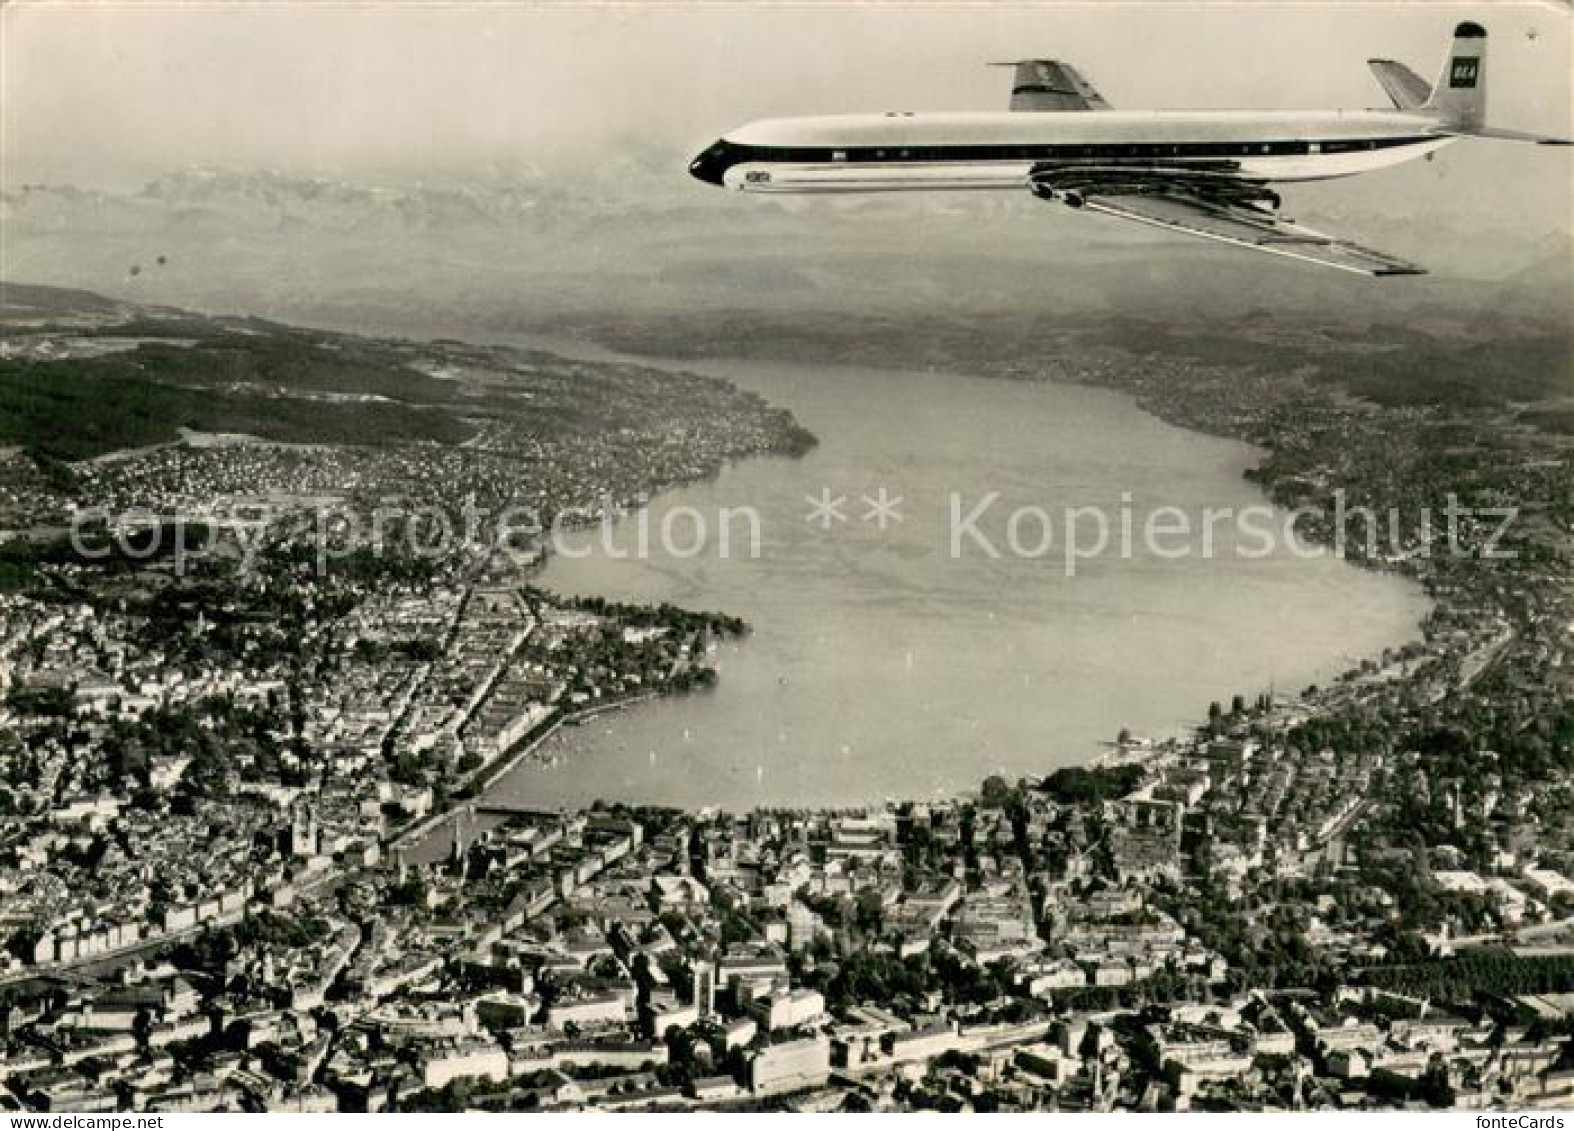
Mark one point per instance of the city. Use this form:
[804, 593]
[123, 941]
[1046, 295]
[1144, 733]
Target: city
[249, 858]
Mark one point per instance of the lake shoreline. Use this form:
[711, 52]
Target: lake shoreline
[1252, 456]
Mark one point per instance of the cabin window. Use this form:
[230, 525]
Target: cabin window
[838, 155]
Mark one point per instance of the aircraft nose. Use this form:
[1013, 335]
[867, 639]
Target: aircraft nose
[711, 165]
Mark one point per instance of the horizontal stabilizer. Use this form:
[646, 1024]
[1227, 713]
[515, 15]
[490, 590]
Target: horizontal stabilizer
[1407, 90]
[1494, 134]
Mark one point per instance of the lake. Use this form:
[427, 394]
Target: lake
[913, 661]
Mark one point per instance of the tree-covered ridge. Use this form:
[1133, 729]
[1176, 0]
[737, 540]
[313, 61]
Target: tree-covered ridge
[86, 407]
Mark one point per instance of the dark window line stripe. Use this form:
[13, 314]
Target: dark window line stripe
[895, 154]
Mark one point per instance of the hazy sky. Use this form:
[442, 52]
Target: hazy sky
[111, 94]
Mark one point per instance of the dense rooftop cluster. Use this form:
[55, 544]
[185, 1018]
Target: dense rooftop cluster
[248, 857]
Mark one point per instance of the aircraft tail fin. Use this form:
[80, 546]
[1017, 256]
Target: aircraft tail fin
[1407, 90]
[1459, 98]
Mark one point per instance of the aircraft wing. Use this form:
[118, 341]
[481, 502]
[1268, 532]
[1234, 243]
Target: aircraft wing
[1044, 85]
[1229, 211]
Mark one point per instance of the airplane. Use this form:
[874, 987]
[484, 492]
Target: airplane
[1203, 173]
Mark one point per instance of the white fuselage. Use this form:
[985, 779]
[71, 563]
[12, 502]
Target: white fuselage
[895, 151]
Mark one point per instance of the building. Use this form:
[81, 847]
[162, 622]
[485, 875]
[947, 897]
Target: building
[792, 1065]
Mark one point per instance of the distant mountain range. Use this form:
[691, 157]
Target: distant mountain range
[520, 248]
